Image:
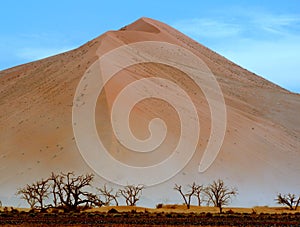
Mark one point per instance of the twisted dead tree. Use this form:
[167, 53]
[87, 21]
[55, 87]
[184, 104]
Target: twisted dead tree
[194, 190]
[27, 193]
[109, 195]
[198, 190]
[289, 200]
[131, 194]
[65, 189]
[35, 194]
[71, 190]
[219, 194]
[54, 189]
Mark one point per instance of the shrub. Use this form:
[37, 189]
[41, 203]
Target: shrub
[230, 212]
[113, 211]
[159, 206]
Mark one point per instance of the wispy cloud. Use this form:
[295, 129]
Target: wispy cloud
[202, 27]
[243, 24]
[265, 43]
[277, 24]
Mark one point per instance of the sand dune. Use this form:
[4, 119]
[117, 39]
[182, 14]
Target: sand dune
[260, 154]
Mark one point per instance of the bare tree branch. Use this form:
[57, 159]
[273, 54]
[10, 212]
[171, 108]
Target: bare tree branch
[289, 200]
[109, 195]
[70, 190]
[35, 194]
[194, 190]
[219, 194]
[198, 190]
[28, 194]
[131, 194]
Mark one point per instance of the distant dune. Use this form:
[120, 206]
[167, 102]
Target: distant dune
[260, 154]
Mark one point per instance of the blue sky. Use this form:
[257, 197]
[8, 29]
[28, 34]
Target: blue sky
[262, 36]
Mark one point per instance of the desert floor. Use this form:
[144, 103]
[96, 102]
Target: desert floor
[168, 215]
[197, 209]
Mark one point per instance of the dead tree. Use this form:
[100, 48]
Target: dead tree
[219, 194]
[35, 194]
[54, 189]
[289, 200]
[42, 191]
[109, 195]
[187, 197]
[71, 190]
[28, 194]
[198, 193]
[131, 194]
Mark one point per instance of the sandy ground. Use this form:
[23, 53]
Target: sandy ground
[260, 154]
[196, 209]
[168, 215]
[183, 209]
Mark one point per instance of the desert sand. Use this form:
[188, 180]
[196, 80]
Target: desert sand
[260, 154]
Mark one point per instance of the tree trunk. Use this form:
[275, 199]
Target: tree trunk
[297, 204]
[116, 201]
[199, 201]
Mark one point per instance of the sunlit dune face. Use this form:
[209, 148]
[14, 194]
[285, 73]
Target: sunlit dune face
[147, 110]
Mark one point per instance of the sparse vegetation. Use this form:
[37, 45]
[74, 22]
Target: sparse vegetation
[289, 200]
[132, 194]
[36, 193]
[194, 190]
[109, 195]
[71, 190]
[159, 206]
[67, 191]
[219, 194]
[57, 199]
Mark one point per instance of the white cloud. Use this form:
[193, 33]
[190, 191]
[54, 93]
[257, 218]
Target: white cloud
[207, 28]
[264, 43]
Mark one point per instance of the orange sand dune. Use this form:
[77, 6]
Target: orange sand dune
[260, 154]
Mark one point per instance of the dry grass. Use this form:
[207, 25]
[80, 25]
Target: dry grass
[175, 208]
[195, 209]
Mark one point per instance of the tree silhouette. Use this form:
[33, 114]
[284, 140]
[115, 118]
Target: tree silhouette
[71, 190]
[109, 195]
[35, 194]
[289, 200]
[67, 191]
[219, 194]
[54, 189]
[194, 190]
[198, 191]
[131, 194]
